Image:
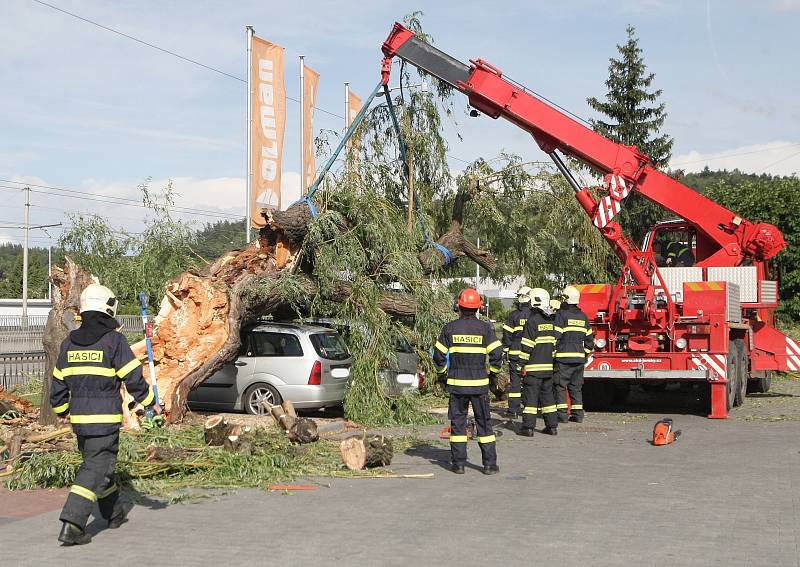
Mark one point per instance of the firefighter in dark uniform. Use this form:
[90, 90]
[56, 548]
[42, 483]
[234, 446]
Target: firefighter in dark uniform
[538, 343]
[574, 343]
[93, 360]
[512, 334]
[679, 255]
[466, 342]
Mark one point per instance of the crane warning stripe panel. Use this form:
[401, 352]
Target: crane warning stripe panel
[705, 286]
[716, 363]
[792, 355]
[592, 288]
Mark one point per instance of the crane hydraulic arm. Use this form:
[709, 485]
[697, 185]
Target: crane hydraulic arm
[727, 239]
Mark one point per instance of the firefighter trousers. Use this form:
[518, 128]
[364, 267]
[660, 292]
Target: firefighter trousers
[457, 412]
[95, 481]
[538, 397]
[515, 387]
[569, 378]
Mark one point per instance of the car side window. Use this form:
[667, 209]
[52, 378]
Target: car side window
[275, 344]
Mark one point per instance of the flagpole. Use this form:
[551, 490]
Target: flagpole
[248, 176]
[346, 125]
[303, 187]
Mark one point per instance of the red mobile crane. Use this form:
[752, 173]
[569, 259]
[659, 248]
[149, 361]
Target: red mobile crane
[710, 322]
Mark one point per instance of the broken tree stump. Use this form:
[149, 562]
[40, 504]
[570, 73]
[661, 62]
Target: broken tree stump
[215, 430]
[283, 418]
[363, 452]
[241, 444]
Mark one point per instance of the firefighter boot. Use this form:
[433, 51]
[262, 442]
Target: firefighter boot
[526, 431]
[456, 468]
[73, 535]
[550, 431]
[118, 517]
[576, 418]
[491, 469]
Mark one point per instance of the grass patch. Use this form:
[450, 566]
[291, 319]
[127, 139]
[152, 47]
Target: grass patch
[274, 460]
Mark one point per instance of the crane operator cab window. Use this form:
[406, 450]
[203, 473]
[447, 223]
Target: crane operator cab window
[674, 248]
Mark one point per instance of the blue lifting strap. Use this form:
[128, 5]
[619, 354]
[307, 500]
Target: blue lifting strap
[448, 256]
[307, 200]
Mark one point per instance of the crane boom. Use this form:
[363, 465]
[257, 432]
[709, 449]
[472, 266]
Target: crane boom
[724, 238]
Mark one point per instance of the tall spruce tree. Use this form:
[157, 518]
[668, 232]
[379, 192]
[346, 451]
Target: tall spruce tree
[634, 117]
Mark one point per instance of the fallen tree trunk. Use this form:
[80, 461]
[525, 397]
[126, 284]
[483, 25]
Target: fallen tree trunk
[198, 323]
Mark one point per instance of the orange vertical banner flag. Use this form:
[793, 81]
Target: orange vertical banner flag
[268, 111]
[310, 83]
[354, 106]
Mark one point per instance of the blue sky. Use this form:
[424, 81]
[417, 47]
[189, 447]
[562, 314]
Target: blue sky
[86, 109]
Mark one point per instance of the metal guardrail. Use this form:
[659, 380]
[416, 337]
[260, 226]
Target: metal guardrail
[18, 338]
[21, 367]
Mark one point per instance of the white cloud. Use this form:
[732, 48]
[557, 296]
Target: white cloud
[776, 158]
[784, 5]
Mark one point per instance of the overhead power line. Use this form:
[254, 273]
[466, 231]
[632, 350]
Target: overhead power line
[74, 193]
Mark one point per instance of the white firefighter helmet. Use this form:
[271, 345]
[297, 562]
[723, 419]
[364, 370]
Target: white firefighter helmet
[99, 298]
[524, 294]
[540, 298]
[572, 295]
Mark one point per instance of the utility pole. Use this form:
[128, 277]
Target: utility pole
[303, 186]
[248, 177]
[25, 259]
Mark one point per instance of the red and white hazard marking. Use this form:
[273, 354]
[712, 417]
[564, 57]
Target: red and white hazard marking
[607, 209]
[617, 186]
[716, 363]
[792, 355]
[589, 361]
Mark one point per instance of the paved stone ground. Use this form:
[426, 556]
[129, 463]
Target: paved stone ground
[727, 493]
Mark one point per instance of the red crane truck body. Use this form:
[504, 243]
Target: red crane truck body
[711, 321]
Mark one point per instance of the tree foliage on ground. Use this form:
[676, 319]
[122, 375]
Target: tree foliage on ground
[634, 116]
[774, 200]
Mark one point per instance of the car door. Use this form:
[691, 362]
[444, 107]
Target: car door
[220, 390]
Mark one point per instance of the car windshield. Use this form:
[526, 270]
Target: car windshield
[330, 346]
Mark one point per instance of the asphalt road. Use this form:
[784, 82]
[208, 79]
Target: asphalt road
[727, 493]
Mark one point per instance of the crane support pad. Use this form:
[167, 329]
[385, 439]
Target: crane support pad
[437, 63]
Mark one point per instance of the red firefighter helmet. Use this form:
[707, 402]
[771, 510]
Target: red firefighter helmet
[470, 299]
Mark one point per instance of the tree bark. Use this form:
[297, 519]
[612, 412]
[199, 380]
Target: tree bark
[215, 430]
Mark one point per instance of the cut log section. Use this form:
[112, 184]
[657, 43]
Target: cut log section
[366, 452]
[304, 430]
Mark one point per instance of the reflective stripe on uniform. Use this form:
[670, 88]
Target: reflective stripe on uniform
[108, 491]
[545, 341]
[85, 492]
[125, 370]
[62, 408]
[577, 329]
[514, 352]
[494, 345]
[468, 349]
[569, 355]
[458, 439]
[88, 371]
[440, 347]
[530, 409]
[515, 394]
[96, 418]
[559, 329]
[561, 406]
[487, 439]
[538, 367]
[467, 382]
[527, 342]
[519, 329]
[524, 355]
[549, 409]
[577, 406]
[494, 369]
[507, 328]
[149, 399]
[57, 374]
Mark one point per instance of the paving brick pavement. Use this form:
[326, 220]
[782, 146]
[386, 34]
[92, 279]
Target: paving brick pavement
[727, 493]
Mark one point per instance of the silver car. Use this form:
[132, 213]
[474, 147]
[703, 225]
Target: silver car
[306, 364]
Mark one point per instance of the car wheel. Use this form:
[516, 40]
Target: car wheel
[256, 395]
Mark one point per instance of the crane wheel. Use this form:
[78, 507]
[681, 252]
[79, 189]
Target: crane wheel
[742, 374]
